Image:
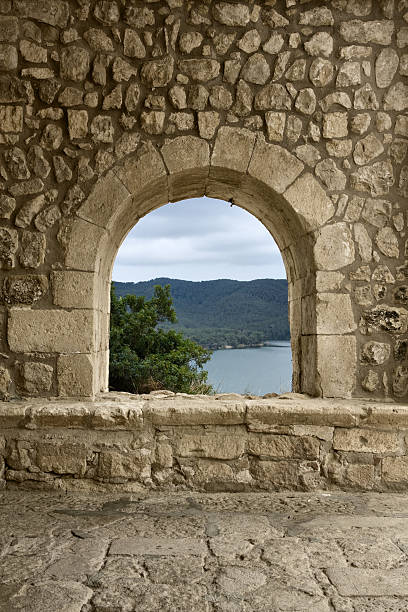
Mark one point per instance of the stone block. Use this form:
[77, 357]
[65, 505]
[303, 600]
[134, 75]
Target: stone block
[147, 167]
[37, 377]
[367, 441]
[395, 470]
[52, 12]
[81, 244]
[75, 375]
[334, 247]
[187, 159]
[194, 412]
[107, 194]
[334, 314]
[336, 365]
[132, 465]
[233, 148]
[276, 475]
[61, 458]
[50, 331]
[310, 202]
[274, 166]
[11, 118]
[73, 289]
[77, 123]
[212, 446]
[288, 447]
[8, 30]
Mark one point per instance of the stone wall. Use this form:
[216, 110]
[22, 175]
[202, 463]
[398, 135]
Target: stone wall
[227, 443]
[294, 109]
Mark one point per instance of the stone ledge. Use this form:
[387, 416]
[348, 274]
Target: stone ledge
[123, 411]
[220, 443]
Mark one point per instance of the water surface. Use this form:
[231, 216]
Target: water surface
[253, 370]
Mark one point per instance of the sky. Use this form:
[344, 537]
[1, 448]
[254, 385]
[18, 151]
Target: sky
[198, 239]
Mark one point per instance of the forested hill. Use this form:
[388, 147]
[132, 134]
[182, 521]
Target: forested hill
[224, 312]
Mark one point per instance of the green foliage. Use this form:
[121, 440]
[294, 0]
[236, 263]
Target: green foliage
[145, 357]
[224, 312]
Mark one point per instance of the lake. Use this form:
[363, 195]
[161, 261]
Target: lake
[253, 370]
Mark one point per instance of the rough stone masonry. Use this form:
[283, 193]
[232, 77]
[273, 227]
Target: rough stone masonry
[295, 108]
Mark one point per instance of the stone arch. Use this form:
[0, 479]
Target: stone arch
[88, 90]
[268, 182]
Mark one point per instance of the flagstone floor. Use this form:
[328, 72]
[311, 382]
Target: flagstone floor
[189, 552]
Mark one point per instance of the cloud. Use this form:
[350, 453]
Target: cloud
[198, 239]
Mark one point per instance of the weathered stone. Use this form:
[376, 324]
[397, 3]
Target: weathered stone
[371, 381]
[47, 331]
[375, 353]
[365, 98]
[386, 66]
[364, 242]
[308, 154]
[208, 123]
[320, 44]
[250, 41]
[137, 17]
[317, 17]
[37, 377]
[134, 47]
[8, 28]
[367, 149]
[339, 148]
[256, 70]
[349, 74]
[74, 63]
[366, 440]
[334, 247]
[385, 318]
[297, 71]
[335, 125]
[24, 289]
[32, 52]
[360, 123]
[306, 101]
[5, 381]
[275, 123]
[274, 44]
[363, 32]
[377, 212]
[274, 166]
[47, 218]
[310, 202]
[231, 14]
[16, 163]
[8, 247]
[52, 12]
[11, 118]
[37, 162]
[397, 97]
[387, 242]
[32, 249]
[7, 206]
[200, 69]
[102, 129]
[273, 97]
[273, 19]
[220, 98]
[61, 169]
[8, 57]
[189, 41]
[75, 374]
[51, 138]
[330, 175]
[321, 72]
[153, 122]
[376, 179]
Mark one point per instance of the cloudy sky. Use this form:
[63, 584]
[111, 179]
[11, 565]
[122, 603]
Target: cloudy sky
[198, 239]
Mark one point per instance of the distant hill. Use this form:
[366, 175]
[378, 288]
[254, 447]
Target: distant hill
[224, 312]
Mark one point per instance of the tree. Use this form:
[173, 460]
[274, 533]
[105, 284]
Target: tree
[145, 357]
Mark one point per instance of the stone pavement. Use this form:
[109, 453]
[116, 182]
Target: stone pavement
[187, 552]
